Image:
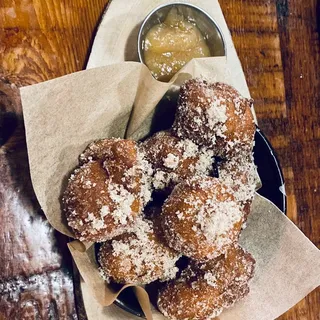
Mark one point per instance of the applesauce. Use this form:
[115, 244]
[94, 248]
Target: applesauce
[168, 46]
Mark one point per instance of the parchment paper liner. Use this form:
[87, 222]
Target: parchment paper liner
[63, 115]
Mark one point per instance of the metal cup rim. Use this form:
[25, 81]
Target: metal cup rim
[140, 55]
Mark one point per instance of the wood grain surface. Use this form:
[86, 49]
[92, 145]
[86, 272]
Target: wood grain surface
[278, 45]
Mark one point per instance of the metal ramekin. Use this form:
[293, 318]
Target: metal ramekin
[206, 24]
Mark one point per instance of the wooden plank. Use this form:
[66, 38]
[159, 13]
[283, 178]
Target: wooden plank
[35, 266]
[278, 45]
[41, 40]
[45, 296]
[27, 242]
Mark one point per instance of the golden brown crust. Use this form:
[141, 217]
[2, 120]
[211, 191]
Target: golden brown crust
[117, 157]
[138, 257]
[201, 219]
[124, 151]
[215, 115]
[89, 207]
[174, 159]
[107, 192]
[204, 290]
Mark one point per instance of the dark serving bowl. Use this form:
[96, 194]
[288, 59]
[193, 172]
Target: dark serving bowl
[272, 188]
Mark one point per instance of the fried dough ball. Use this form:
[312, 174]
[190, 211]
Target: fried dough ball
[173, 159]
[105, 195]
[138, 257]
[201, 219]
[96, 208]
[215, 115]
[204, 290]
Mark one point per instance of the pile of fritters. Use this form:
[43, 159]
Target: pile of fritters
[185, 192]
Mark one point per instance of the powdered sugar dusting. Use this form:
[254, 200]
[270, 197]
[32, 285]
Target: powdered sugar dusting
[240, 176]
[211, 279]
[146, 177]
[199, 218]
[141, 258]
[123, 200]
[203, 290]
[217, 218]
[173, 159]
[217, 113]
[108, 191]
[214, 115]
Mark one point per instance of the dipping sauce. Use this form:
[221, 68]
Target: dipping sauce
[168, 46]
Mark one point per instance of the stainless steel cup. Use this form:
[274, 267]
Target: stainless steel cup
[207, 26]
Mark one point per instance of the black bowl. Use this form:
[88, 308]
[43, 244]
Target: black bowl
[272, 188]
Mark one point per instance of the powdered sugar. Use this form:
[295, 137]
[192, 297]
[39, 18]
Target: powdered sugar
[174, 159]
[146, 172]
[123, 200]
[204, 163]
[212, 115]
[171, 161]
[211, 279]
[217, 218]
[142, 255]
[104, 211]
[240, 176]
[162, 179]
[98, 224]
[188, 148]
[200, 218]
[217, 113]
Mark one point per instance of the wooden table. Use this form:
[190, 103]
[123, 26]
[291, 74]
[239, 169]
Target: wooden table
[278, 44]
